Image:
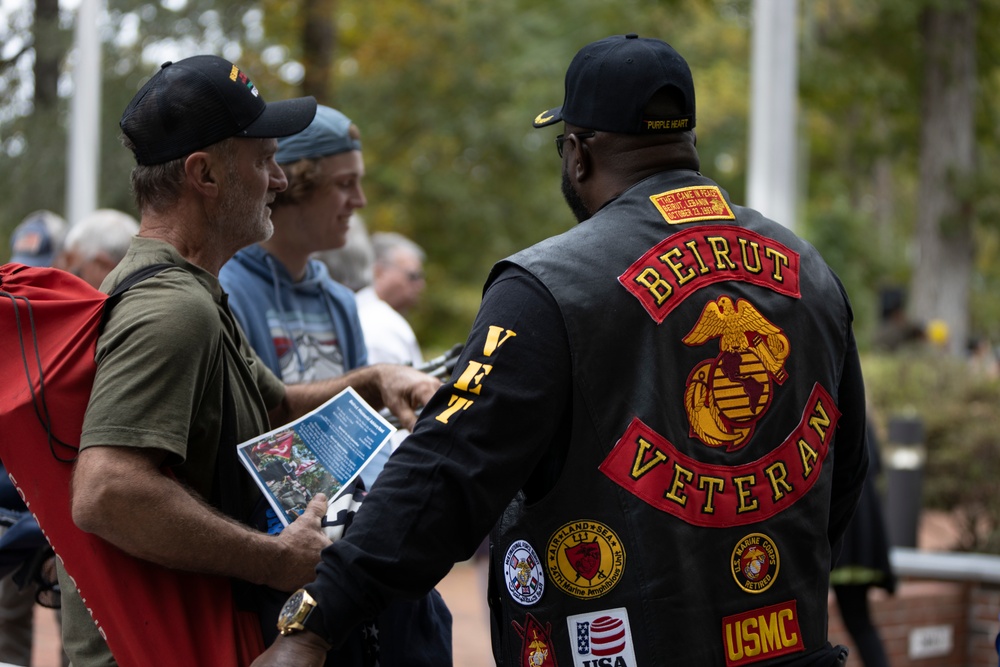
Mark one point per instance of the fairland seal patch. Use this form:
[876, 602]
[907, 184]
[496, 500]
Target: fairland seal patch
[523, 573]
[585, 559]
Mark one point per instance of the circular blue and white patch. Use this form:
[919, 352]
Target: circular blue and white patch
[523, 572]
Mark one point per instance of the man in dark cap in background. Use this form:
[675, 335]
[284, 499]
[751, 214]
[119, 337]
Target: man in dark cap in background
[660, 412]
[171, 362]
[38, 239]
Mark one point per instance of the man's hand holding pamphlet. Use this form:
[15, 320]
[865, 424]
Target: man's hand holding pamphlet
[321, 452]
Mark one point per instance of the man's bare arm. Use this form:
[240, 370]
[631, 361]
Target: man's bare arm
[402, 389]
[121, 495]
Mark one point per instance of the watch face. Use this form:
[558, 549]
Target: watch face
[291, 608]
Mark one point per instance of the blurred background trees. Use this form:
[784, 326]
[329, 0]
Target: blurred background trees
[899, 163]
[898, 115]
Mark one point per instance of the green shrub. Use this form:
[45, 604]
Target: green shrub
[960, 408]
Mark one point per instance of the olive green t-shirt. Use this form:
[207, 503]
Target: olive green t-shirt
[159, 384]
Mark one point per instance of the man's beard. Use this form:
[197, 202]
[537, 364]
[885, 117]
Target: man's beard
[245, 220]
[572, 198]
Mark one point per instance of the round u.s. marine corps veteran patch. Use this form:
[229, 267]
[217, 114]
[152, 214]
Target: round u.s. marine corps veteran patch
[755, 563]
[585, 559]
[523, 573]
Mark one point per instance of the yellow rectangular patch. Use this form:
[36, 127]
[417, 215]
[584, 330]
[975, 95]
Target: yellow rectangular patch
[699, 202]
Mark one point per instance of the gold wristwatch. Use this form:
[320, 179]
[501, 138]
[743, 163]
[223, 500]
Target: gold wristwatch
[297, 609]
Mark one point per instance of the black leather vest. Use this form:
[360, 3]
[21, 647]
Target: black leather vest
[689, 524]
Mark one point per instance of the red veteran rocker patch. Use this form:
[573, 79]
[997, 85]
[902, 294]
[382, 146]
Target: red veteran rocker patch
[650, 467]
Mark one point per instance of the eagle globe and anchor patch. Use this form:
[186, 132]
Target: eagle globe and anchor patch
[523, 573]
[725, 396]
[536, 643]
[585, 559]
[755, 563]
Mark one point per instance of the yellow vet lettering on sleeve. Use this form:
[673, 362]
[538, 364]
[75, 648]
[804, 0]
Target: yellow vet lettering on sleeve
[472, 377]
[455, 403]
[475, 372]
[494, 339]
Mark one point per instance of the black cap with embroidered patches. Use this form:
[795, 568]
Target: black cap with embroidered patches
[610, 81]
[196, 102]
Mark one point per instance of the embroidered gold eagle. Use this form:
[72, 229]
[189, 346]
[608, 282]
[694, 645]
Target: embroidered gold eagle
[742, 328]
[745, 337]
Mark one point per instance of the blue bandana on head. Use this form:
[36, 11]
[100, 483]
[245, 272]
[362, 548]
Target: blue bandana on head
[326, 135]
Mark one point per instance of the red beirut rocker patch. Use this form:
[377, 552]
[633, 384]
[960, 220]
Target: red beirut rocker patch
[698, 256]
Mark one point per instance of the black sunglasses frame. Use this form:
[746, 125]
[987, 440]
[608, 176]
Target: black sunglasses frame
[579, 135]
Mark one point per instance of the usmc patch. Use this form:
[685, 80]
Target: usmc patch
[523, 573]
[603, 638]
[755, 563]
[585, 559]
[762, 634]
[536, 643]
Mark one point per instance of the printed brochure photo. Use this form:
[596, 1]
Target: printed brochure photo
[321, 452]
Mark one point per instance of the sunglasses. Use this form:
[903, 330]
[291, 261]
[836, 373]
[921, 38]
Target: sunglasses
[561, 139]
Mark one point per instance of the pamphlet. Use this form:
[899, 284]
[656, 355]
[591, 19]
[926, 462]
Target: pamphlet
[320, 452]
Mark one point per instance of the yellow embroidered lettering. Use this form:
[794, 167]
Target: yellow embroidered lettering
[710, 485]
[755, 267]
[734, 644]
[677, 267]
[778, 473]
[693, 247]
[676, 492]
[750, 638]
[720, 250]
[455, 403]
[744, 491]
[659, 288]
[638, 467]
[779, 260]
[809, 458]
[770, 633]
[472, 377]
[819, 421]
[493, 339]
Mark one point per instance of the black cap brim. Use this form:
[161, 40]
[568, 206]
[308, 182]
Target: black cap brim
[282, 118]
[549, 117]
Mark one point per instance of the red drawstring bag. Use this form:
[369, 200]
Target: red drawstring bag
[49, 323]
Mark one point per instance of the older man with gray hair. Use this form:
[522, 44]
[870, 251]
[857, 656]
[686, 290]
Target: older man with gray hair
[96, 244]
[397, 282]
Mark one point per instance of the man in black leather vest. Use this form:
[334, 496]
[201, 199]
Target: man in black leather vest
[660, 412]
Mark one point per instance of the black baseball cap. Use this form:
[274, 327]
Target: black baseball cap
[610, 81]
[196, 102]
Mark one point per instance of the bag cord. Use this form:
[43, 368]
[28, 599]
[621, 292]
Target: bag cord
[37, 400]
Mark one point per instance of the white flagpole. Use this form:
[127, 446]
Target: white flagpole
[771, 186]
[85, 108]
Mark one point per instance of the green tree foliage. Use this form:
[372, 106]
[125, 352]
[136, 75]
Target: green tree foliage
[861, 77]
[445, 91]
